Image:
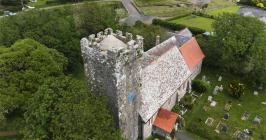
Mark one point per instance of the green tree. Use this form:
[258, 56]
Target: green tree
[24, 66]
[63, 109]
[92, 18]
[238, 46]
[54, 28]
[149, 33]
[236, 89]
[200, 86]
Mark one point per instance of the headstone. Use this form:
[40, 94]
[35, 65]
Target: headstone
[224, 128]
[256, 93]
[209, 121]
[203, 78]
[208, 82]
[220, 78]
[215, 90]
[210, 98]
[221, 88]
[226, 116]
[257, 120]
[245, 116]
[264, 103]
[227, 107]
[213, 104]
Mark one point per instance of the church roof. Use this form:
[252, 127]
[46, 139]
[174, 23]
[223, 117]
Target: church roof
[192, 53]
[161, 77]
[165, 120]
[112, 43]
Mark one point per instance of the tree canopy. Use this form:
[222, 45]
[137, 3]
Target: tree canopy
[24, 67]
[238, 46]
[59, 28]
[63, 109]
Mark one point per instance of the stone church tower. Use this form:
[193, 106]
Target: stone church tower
[112, 65]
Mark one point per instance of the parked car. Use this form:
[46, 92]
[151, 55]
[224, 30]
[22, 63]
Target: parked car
[8, 13]
[26, 7]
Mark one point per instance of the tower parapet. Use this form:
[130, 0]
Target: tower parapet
[112, 63]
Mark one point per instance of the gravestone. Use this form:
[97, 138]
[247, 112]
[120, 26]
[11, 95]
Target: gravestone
[256, 93]
[203, 78]
[208, 82]
[264, 103]
[227, 107]
[245, 116]
[226, 116]
[221, 88]
[215, 90]
[257, 120]
[210, 98]
[220, 78]
[213, 103]
[224, 128]
[209, 121]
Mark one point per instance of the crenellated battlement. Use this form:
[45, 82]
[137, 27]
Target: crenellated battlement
[107, 40]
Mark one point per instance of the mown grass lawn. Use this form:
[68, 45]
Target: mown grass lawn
[217, 12]
[165, 11]
[248, 103]
[154, 2]
[162, 8]
[196, 21]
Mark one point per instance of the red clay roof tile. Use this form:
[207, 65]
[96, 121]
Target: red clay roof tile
[192, 53]
[165, 120]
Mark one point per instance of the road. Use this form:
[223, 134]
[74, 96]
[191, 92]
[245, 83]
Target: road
[134, 14]
[132, 10]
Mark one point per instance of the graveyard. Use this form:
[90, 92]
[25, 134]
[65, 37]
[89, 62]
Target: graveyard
[217, 115]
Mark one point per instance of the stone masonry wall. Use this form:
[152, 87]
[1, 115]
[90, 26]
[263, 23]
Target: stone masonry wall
[116, 74]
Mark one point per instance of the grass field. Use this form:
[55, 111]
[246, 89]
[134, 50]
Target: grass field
[154, 2]
[217, 12]
[195, 21]
[165, 11]
[162, 8]
[218, 4]
[248, 103]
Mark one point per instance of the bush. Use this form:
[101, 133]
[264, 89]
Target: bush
[176, 108]
[204, 15]
[236, 89]
[187, 101]
[199, 86]
[179, 16]
[175, 26]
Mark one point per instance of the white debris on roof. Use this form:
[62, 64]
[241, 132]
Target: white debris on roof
[161, 78]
